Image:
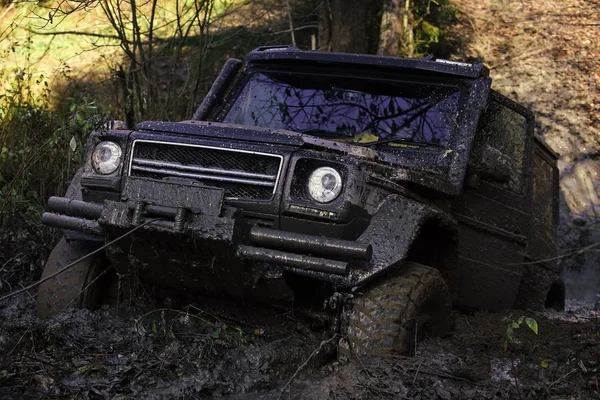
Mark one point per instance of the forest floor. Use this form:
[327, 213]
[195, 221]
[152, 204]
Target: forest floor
[544, 54]
[219, 350]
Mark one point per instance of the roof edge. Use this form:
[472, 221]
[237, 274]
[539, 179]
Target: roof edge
[430, 64]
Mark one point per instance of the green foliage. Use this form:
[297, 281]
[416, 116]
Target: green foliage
[512, 324]
[165, 322]
[42, 140]
[40, 148]
[432, 18]
[228, 336]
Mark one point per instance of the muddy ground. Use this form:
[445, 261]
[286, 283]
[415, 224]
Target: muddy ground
[221, 349]
[542, 53]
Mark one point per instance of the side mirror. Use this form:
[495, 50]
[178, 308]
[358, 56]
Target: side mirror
[495, 166]
[489, 164]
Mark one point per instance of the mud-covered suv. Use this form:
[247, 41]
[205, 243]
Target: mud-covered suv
[407, 185]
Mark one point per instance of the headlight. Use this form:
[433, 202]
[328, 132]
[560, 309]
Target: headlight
[106, 157]
[324, 184]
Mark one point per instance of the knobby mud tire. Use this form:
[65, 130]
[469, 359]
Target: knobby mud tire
[67, 288]
[384, 319]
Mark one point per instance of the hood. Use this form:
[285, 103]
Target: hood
[254, 134]
[416, 172]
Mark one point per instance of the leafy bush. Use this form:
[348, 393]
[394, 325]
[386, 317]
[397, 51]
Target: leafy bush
[432, 18]
[40, 148]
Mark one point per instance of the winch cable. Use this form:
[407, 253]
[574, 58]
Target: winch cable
[14, 293]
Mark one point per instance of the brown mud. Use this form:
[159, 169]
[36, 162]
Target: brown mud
[139, 349]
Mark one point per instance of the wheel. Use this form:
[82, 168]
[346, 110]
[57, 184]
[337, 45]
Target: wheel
[70, 288]
[413, 304]
[540, 289]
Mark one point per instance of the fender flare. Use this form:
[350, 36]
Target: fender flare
[74, 192]
[399, 225]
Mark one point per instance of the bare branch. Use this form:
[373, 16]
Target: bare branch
[78, 33]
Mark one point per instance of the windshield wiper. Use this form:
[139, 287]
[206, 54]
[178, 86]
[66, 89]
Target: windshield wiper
[400, 140]
[313, 131]
[318, 132]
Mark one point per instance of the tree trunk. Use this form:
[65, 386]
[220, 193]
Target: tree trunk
[343, 26]
[325, 26]
[396, 36]
[127, 87]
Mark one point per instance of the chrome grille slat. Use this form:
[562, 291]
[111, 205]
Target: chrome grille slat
[170, 172]
[241, 174]
[168, 165]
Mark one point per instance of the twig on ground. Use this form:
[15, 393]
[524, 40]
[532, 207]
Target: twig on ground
[417, 373]
[565, 376]
[444, 374]
[17, 344]
[305, 363]
[7, 262]
[365, 370]
[416, 332]
[377, 390]
[514, 369]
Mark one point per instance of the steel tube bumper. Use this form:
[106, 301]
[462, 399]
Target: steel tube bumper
[294, 260]
[73, 215]
[71, 223]
[297, 242]
[74, 208]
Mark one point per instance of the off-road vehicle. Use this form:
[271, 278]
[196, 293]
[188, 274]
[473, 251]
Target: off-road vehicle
[404, 185]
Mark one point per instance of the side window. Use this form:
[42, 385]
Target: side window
[500, 144]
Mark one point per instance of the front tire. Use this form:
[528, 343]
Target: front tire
[413, 304]
[79, 286]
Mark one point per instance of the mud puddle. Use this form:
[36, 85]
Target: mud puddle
[136, 352]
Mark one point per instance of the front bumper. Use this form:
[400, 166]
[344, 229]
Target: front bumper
[292, 251]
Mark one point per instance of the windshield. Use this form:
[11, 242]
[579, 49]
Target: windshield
[348, 109]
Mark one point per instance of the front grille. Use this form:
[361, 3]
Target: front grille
[241, 174]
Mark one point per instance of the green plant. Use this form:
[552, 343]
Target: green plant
[512, 324]
[228, 336]
[40, 147]
[432, 18]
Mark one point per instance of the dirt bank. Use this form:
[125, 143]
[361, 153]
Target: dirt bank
[546, 54]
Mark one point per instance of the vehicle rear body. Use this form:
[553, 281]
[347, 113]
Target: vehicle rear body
[508, 210]
[225, 196]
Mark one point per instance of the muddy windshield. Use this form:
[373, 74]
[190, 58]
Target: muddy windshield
[348, 109]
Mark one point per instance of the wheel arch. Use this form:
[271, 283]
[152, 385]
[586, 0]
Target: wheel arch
[406, 230]
[555, 296]
[436, 245]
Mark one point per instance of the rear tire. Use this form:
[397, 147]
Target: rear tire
[70, 288]
[413, 304]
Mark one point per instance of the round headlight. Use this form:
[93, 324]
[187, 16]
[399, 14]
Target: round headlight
[324, 184]
[106, 157]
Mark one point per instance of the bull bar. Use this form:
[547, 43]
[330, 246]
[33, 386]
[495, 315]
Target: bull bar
[258, 244]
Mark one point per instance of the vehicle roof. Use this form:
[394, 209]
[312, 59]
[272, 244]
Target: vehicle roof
[429, 64]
